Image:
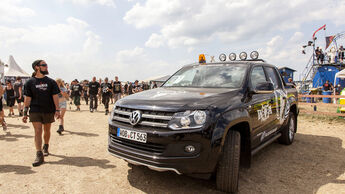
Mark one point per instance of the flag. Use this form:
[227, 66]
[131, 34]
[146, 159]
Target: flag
[329, 40]
[322, 27]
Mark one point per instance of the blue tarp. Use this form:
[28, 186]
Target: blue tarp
[323, 74]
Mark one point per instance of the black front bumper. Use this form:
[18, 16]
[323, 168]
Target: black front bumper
[165, 150]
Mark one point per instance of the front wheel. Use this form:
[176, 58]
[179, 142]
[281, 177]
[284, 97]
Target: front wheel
[229, 164]
[288, 132]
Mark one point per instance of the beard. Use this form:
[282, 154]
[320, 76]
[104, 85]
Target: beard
[44, 72]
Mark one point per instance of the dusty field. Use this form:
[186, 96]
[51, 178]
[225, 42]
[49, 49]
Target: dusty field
[79, 162]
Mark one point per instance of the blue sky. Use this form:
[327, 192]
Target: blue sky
[141, 39]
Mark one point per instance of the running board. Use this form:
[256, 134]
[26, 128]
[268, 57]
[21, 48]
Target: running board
[256, 150]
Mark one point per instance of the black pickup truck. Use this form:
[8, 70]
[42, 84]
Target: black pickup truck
[206, 119]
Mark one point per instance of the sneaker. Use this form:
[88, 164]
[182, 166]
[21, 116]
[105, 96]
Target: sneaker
[106, 112]
[91, 110]
[39, 159]
[45, 149]
[62, 129]
[20, 113]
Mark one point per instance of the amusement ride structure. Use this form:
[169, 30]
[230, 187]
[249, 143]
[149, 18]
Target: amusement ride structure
[317, 71]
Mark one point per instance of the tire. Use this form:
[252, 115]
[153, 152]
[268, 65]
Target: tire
[229, 164]
[288, 132]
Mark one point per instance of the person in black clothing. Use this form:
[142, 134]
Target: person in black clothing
[10, 97]
[130, 88]
[85, 91]
[18, 87]
[136, 88]
[327, 86]
[106, 94]
[76, 89]
[93, 92]
[125, 89]
[41, 96]
[117, 89]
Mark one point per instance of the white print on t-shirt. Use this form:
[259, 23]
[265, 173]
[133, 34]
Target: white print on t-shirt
[42, 86]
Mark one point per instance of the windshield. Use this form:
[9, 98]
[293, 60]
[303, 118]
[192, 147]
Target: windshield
[209, 76]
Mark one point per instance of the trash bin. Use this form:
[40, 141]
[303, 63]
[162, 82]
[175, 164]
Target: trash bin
[326, 100]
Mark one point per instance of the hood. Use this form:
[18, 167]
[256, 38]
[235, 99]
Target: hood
[178, 99]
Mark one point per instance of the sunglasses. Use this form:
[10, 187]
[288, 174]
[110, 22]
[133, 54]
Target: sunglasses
[43, 65]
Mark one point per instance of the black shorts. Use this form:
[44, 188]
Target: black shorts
[43, 118]
[10, 102]
[1, 107]
[19, 100]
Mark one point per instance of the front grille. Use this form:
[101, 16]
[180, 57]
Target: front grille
[149, 118]
[148, 147]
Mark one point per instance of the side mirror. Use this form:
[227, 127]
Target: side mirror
[264, 88]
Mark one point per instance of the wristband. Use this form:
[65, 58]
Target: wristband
[26, 109]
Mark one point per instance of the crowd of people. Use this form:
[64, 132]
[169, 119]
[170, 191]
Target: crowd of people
[96, 92]
[332, 56]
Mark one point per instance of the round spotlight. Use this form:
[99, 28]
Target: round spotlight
[243, 56]
[222, 57]
[232, 56]
[254, 55]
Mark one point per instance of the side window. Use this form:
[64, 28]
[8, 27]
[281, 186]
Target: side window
[257, 76]
[273, 77]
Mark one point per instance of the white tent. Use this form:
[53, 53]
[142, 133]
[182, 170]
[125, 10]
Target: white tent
[14, 70]
[340, 74]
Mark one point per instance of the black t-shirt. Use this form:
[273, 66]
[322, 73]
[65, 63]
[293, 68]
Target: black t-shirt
[41, 91]
[117, 87]
[93, 88]
[130, 87]
[105, 87]
[76, 90]
[326, 87]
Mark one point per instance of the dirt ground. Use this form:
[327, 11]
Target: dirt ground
[79, 162]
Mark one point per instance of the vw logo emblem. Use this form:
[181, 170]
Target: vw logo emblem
[135, 117]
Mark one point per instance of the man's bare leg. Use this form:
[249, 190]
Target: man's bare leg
[38, 135]
[46, 137]
[38, 143]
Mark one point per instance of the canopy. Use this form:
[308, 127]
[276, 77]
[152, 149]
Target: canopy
[14, 70]
[340, 74]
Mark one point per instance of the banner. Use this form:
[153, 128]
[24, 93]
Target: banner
[329, 40]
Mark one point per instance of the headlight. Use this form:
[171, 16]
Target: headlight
[200, 117]
[188, 120]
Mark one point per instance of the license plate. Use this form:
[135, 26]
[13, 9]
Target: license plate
[132, 135]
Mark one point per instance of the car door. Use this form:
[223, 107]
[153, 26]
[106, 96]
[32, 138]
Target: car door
[260, 106]
[280, 97]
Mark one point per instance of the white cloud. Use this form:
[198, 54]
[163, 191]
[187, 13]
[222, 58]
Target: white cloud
[194, 22]
[155, 41]
[109, 3]
[12, 11]
[55, 34]
[130, 54]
